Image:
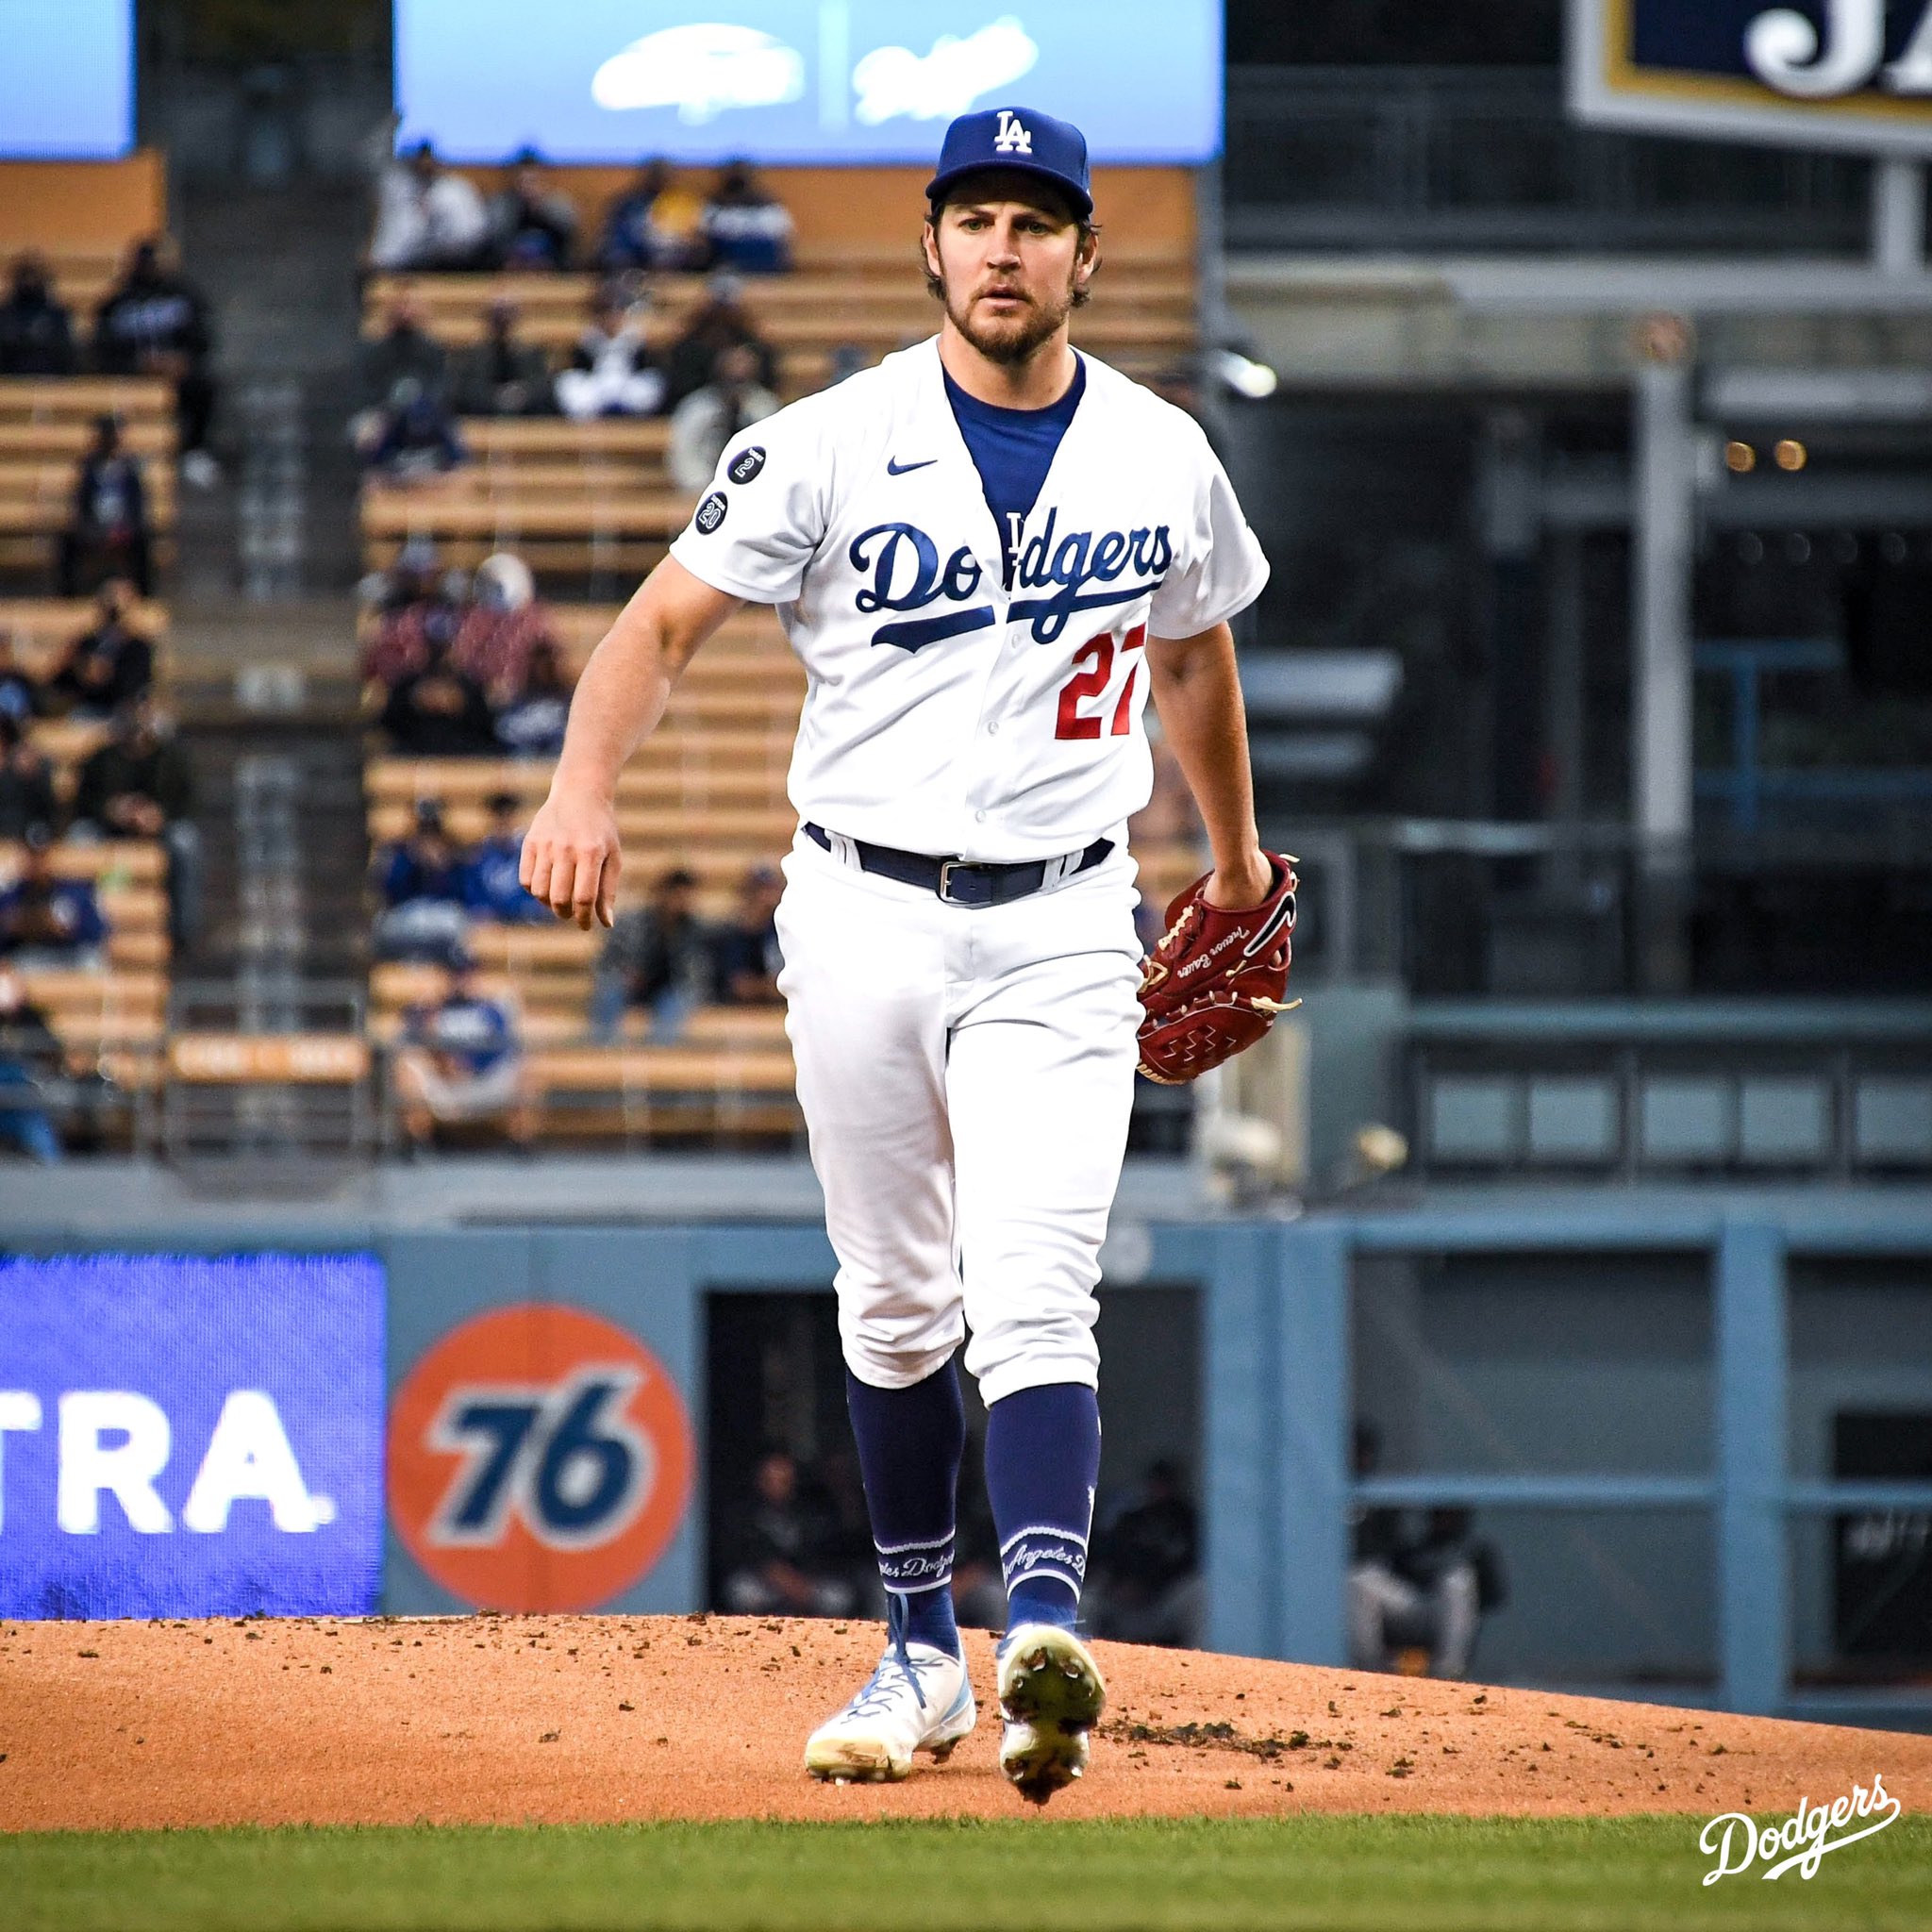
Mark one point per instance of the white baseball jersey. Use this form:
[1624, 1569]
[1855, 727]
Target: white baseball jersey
[948, 712]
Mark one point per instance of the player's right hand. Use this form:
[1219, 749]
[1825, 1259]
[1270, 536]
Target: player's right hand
[572, 858]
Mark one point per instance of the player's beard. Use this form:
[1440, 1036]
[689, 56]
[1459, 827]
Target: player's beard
[1009, 339]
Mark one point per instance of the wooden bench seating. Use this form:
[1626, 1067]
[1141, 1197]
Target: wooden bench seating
[42, 628]
[128, 878]
[139, 401]
[464, 785]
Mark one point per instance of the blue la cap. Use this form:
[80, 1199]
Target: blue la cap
[1017, 137]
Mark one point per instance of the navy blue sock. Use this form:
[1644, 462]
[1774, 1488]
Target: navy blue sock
[910, 1445]
[1043, 1460]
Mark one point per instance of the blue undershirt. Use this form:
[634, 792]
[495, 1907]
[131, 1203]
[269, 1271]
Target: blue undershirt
[1012, 450]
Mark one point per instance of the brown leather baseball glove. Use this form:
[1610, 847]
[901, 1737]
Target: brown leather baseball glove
[1214, 984]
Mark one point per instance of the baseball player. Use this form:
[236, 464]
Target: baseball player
[988, 551]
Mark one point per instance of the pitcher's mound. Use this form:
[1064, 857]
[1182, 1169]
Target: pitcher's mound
[500, 1720]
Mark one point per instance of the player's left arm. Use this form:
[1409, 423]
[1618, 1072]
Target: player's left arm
[1197, 690]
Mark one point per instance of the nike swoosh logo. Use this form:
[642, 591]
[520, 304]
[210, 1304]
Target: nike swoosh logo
[895, 468]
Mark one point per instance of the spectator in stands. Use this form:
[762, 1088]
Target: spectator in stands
[404, 348]
[461, 1061]
[428, 217]
[49, 922]
[656, 958]
[417, 614]
[492, 889]
[109, 664]
[423, 886]
[656, 225]
[30, 1052]
[1418, 1583]
[503, 621]
[748, 228]
[613, 371]
[706, 420]
[26, 783]
[501, 375]
[36, 332]
[745, 959]
[776, 1558]
[22, 697]
[531, 724]
[721, 322]
[1149, 1565]
[108, 525]
[532, 224]
[439, 713]
[154, 322]
[413, 439]
[140, 785]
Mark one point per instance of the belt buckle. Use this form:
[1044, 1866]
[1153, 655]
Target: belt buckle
[944, 889]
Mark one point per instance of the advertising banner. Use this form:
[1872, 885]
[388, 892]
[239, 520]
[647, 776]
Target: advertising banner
[800, 82]
[66, 79]
[184, 1436]
[1843, 74]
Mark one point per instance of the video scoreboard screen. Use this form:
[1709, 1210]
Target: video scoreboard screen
[66, 79]
[801, 82]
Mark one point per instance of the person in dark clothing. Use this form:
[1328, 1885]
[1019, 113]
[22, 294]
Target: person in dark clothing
[155, 322]
[404, 348]
[657, 958]
[501, 375]
[775, 1559]
[439, 713]
[1419, 1582]
[140, 785]
[748, 230]
[109, 665]
[108, 523]
[719, 322]
[50, 922]
[422, 881]
[36, 332]
[30, 1053]
[530, 725]
[745, 959]
[492, 886]
[22, 698]
[533, 227]
[413, 439]
[26, 785]
[1149, 1563]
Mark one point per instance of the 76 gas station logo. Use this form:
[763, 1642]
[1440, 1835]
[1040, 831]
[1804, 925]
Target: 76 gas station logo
[540, 1459]
[562, 1461]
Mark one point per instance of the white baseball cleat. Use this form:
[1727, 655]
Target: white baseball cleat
[1051, 1696]
[919, 1699]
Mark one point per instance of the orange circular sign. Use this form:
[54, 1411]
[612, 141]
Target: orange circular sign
[540, 1458]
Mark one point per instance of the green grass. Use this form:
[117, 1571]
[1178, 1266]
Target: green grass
[1418, 1874]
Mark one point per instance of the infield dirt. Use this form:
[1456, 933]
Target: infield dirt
[503, 1720]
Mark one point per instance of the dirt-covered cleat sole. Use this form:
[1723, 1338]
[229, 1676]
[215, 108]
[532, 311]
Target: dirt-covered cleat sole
[1051, 1696]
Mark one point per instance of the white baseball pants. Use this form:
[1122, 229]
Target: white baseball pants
[966, 1076]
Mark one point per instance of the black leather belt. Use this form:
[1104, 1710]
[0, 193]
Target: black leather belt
[957, 881]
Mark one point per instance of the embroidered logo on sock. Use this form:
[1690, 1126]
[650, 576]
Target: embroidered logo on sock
[1042, 1550]
[916, 1566]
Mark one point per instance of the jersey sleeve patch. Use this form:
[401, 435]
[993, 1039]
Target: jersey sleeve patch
[710, 513]
[745, 464]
